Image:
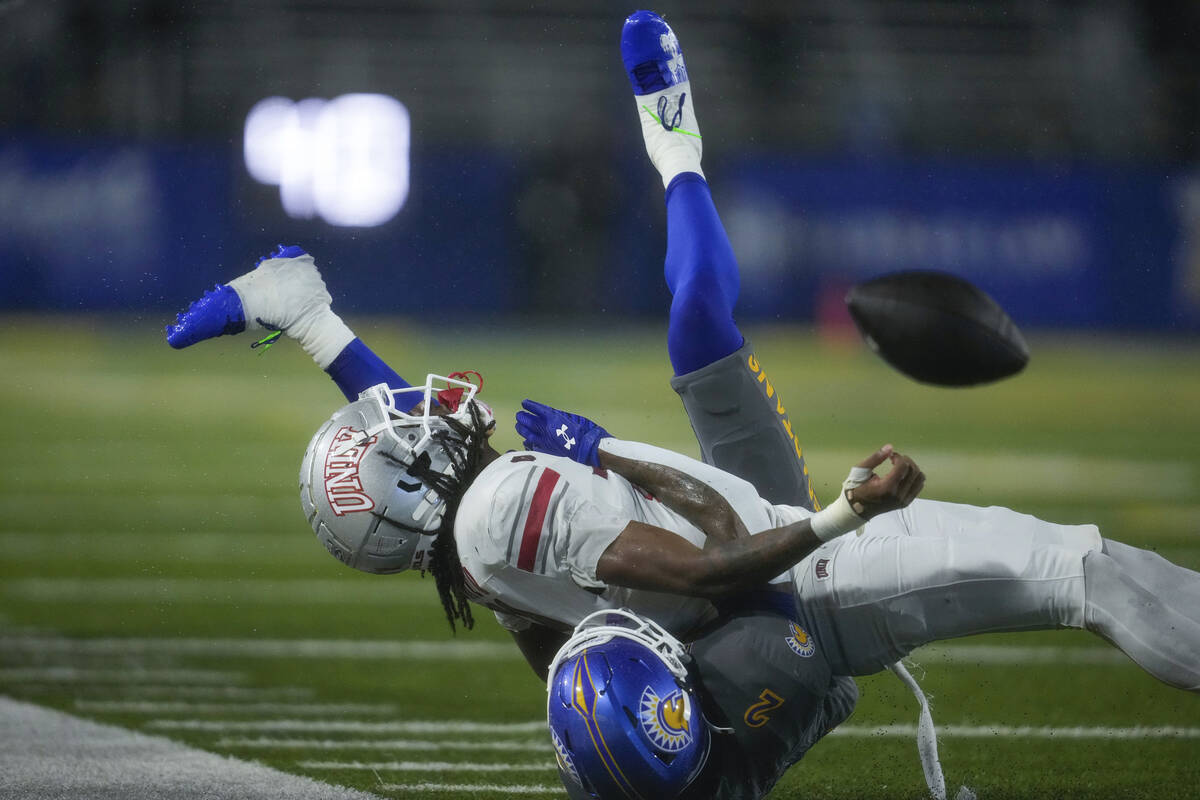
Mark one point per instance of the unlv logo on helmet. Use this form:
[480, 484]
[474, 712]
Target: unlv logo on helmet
[343, 488]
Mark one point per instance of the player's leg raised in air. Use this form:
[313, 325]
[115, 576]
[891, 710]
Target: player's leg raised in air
[738, 416]
[285, 293]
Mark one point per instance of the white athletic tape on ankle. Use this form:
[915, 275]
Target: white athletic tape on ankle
[676, 147]
[289, 293]
[323, 336]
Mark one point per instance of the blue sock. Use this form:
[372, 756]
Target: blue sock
[357, 368]
[702, 274]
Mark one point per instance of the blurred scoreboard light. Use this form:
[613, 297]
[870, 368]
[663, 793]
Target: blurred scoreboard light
[345, 160]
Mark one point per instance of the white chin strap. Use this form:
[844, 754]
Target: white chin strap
[423, 556]
[927, 741]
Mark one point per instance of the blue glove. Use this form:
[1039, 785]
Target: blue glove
[557, 433]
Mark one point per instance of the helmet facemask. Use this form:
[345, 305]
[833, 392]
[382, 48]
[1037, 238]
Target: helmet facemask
[439, 404]
[381, 480]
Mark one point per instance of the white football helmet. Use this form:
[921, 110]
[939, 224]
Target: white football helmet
[375, 479]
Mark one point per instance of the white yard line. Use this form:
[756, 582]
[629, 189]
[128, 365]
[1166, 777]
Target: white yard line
[179, 707]
[399, 650]
[1058, 476]
[487, 789]
[1023, 732]
[134, 675]
[124, 547]
[428, 766]
[48, 755]
[999, 654]
[423, 745]
[221, 591]
[254, 693]
[398, 727]
[110, 692]
[538, 727]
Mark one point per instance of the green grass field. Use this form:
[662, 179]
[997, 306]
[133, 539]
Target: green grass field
[156, 571]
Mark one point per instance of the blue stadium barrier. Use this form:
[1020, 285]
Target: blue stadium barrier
[88, 225]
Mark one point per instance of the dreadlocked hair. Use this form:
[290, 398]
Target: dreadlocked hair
[466, 446]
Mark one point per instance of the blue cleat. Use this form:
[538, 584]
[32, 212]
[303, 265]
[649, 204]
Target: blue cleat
[272, 292]
[284, 251]
[217, 313]
[663, 95]
[651, 53]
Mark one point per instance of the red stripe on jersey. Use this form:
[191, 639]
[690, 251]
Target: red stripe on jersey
[535, 519]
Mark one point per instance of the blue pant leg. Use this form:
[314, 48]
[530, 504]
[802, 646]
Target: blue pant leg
[702, 274]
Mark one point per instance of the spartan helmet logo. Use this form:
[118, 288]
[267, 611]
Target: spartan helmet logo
[667, 720]
[801, 643]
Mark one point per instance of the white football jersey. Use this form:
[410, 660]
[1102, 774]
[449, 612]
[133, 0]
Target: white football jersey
[532, 527]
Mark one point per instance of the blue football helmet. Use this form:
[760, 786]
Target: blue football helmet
[624, 718]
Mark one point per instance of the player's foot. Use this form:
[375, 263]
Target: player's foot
[284, 292]
[217, 313]
[654, 62]
[222, 310]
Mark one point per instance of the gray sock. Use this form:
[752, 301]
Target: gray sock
[1153, 571]
[1144, 624]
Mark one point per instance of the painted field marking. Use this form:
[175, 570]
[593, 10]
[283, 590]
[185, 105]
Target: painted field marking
[538, 727]
[955, 654]
[219, 591]
[1050, 475]
[122, 547]
[347, 726]
[45, 753]
[266, 648]
[62, 674]
[212, 692]
[996, 654]
[173, 707]
[1024, 732]
[478, 788]
[89, 691]
[428, 766]
[423, 745]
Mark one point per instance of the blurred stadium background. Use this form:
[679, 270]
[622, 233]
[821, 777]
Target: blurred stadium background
[491, 208]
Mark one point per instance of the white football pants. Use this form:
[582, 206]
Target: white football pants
[937, 571]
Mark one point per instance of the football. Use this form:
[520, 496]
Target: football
[937, 328]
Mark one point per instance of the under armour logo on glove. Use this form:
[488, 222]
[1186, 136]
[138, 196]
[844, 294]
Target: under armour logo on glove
[557, 433]
[562, 432]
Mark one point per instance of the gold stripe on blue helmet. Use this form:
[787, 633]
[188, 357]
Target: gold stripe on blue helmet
[583, 700]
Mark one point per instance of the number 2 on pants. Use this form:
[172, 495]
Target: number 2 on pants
[759, 714]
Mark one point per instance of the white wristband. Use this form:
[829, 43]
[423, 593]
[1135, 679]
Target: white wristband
[836, 519]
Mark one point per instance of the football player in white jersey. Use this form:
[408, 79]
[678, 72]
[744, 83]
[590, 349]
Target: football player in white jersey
[403, 478]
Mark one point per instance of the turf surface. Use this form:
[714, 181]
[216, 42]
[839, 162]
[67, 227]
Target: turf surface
[156, 571]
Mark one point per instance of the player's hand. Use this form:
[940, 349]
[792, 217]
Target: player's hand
[871, 495]
[558, 433]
